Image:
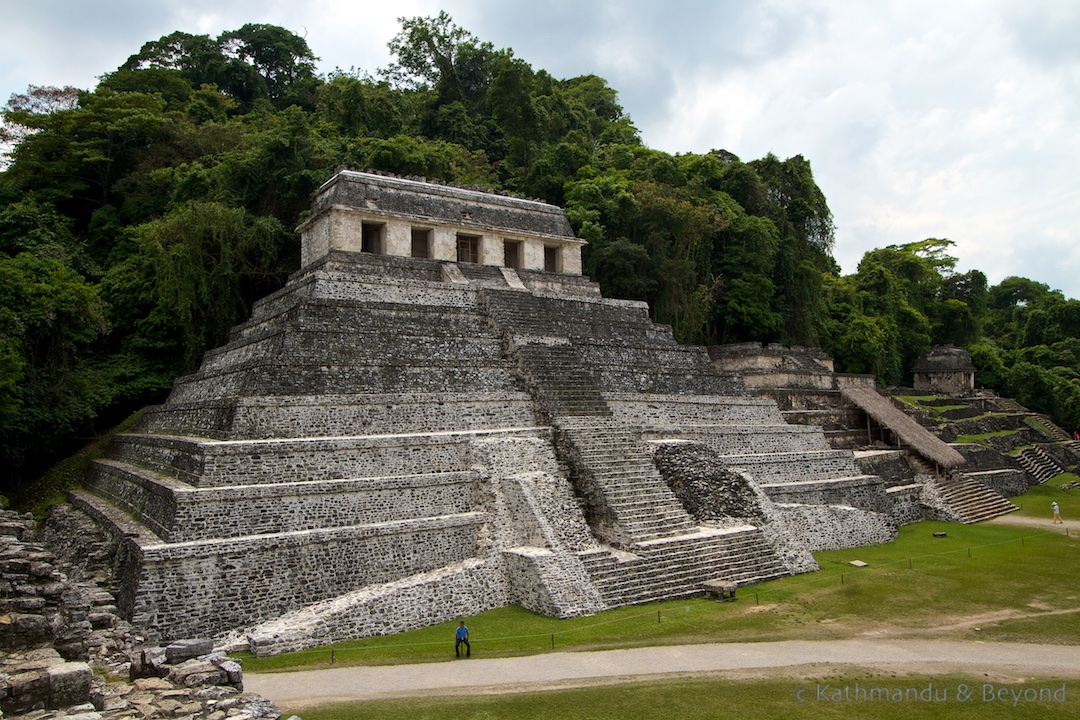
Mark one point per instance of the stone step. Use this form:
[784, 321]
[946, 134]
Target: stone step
[178, 512]
[676, 567]
[624, 576]
[971, 501]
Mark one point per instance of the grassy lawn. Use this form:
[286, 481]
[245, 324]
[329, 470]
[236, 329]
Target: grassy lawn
[979, 582]
[861, 694]
[981, 439]
[930, 403]
[1036, 501]
[917, 586]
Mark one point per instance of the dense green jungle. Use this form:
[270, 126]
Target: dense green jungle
[140, 219]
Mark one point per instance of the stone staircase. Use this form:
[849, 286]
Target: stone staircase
[561, 383]
[920, 465]
[971, 501]
[1047, 425]
[1008, 405]
[574, 356]
[676, 567]
[631, 503]
[527, 315]
[1038, 464]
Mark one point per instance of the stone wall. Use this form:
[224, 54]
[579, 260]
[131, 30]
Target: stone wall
[243, 462]
[751, 439]
[890, 465]
[797, 467]
[456, 590]
[665, 410]
[78, 664]
[214, 587]
[1006, 482]
[865, 492]
[981, 426]
[180, 513]
[907, 503]
[833, 527]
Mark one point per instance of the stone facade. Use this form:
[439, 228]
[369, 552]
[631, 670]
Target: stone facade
[393, 441]
[401, 217]
[946, 369]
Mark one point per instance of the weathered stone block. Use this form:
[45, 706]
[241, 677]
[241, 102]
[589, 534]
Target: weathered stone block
[182, 650]
[69, 684]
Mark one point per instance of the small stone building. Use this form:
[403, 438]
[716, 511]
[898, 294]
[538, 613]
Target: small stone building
[946, 369]
[401, 217]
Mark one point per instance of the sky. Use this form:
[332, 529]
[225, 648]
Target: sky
[955, 119]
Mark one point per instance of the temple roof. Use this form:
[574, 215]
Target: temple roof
[910, 432]
[945, 358]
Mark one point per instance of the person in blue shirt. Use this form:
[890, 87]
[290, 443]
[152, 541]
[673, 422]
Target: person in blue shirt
[462, 637]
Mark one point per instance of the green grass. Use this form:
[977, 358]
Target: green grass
[1036, 501]
[920, 400]
[981, 439]
[917, 585]
[983, 582]
[913, 696]
[929, 403]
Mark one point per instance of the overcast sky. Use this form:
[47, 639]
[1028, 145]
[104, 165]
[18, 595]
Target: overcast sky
[955, 119]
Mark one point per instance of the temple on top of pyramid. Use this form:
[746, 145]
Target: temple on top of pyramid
[381, 215]
[438, 415]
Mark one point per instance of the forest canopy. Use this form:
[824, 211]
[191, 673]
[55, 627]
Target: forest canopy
[140, 219]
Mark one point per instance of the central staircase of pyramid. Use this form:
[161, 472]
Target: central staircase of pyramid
[574, 356]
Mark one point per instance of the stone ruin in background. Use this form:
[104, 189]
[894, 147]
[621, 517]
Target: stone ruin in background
[439, 415]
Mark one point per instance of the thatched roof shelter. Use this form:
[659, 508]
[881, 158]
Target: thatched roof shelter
[903, 426]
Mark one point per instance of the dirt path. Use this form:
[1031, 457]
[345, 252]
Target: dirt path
[295, 690]
[1073, 526]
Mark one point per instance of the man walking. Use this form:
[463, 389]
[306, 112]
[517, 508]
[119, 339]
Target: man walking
[1057, 512]
[462, 637]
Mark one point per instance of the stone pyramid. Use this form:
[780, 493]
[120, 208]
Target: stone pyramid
[438, 415]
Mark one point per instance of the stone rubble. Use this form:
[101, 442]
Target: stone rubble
[65, 653]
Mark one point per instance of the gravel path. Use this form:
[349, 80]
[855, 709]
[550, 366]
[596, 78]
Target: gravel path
[524, 674]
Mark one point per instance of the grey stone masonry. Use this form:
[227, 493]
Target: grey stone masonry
[437, 415]
[404, 217]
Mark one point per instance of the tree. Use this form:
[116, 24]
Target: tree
[269, 62]
[255, 62]
[355, 105]
[433, 52]
[49, 317]
[204, 265]
[23, 112]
